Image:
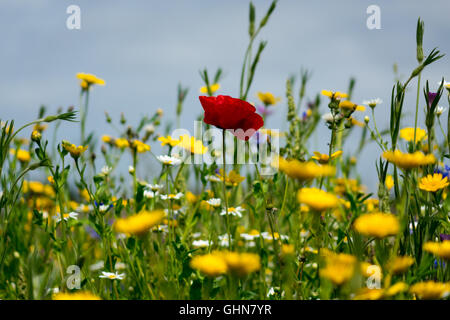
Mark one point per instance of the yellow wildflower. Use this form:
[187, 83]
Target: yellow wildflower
[369, 294]
[232, 179]
[139, 146]
[107, 139]
[348, 105]
[168, 140]
[430, 290]
[389, 182]
[371, 204]
[317, 199]
[377, 224]
[433, 182]
[442, 250]
[323, 158]
[400, 264]
[191, 198]
[241, 264]
[33, 187]
[51, 179]
[334, 95]
[347, 185]
[22, 155]
[287, 249]
[122, 143]
[213, 88]
[191, 144]
[408, 134]
[395, 289]
[74, 151]
[88, 79]
[409, 160]
[140, 223]
[36, 136]
[268, 98]
[40, 127]
[81, 295]
[303, 170]
[210, 264]
[339, 268]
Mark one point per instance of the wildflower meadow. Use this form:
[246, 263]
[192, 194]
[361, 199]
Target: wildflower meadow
[234, 209]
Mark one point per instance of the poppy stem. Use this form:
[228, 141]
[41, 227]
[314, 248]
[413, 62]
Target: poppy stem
[225, 187]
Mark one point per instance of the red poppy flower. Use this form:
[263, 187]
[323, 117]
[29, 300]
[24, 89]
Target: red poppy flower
[226, 112]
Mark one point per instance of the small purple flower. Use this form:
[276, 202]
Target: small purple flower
[264, 111]
[431, 97]
[444, 236]
[92, 232]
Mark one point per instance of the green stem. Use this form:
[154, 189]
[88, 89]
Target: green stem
[417, 109]
[224, 174]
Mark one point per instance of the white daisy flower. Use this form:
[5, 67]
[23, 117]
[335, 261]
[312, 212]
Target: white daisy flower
[214, 202]
[106, 170]
[223, 240]
[249, 237]
[149, 128]
[112, 276]
[150, 194]
[200, 243]
[440, 110]
[196, 235]
[171, 196]
[328, 117]
[273, 291]
[103, 208]
[268, 236]
[67, 216]
[212, 178]
[154, 187]
[167, 160]
[304, 233]
[373, 102]
[234, 211]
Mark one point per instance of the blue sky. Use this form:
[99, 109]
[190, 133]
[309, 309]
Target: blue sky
[143, 49]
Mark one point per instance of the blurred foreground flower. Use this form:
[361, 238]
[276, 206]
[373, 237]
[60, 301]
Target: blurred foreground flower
[221, 262]
[81, 295]
[442, 250]
[303, 170]
[140, 223]
[409, 160]
[430, 290]
[317, 199]
[378, 225]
